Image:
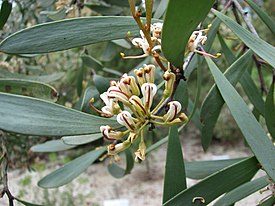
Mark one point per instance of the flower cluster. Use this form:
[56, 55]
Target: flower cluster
[198, 37]
[137, 112]
[142, 43]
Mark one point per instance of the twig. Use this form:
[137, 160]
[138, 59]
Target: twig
[4, 168]
[246, 18]
[253, 30]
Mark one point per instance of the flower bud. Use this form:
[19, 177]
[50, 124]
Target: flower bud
[137, 103]
[110, 134]
[148, 90]
[169, 78]
[114, 149]
[149, 73]
[140, 76]
[182, 118]
[124, 118]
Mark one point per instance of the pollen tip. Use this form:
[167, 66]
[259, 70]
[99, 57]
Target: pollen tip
[122, 54]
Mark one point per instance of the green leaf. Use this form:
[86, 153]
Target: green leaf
[181, 94]
[252, 92]
[81, 139]
[174, 179]
[254, 134]
[246, 81]
[268, 202]
[160, 10]
[55, 15]
[69, 33]
[242, 191]
[213, 102]
[109, 52]
[202, 169]
[26, 203]
[123, 43]
[266, 18]
[47, 78]
[105, 10]
[101, 83]
[217, 184]
[83, 103]
[71, 170]
[91, 62]
[226, 51]
[270, 110]
[51, 146]
[198, 90]
[32, 116]
[118, 172]
[5, 11]
[181, 19]
[29, 88]
[257, 45]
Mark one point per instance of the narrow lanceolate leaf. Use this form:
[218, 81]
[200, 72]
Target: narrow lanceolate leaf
[47, 78]
[246, 81]
[81, 139]
[101, 83]
[252, 92]
[213, 102]
[254, 134]
[202, 169]
[217, 184]
[242, 191]
[51, 146]
[91, 62]
[118, 172]
[264, 16]
[175, 179]
[270, 111]
[181, 19]
[28, 88]
[26, 115]
[69, 33]
[257, 45]
[5, 12]
[71, 170]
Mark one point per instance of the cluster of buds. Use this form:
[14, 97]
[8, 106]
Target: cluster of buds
[142, 43]
[137, 113]
[198, 37]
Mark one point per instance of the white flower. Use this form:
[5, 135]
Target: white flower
[115, 92]
[124, 118]
[148, 91]
[174, 109]
[111, 107]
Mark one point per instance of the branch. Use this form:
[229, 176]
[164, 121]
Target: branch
[250, 26]
[4, 170]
